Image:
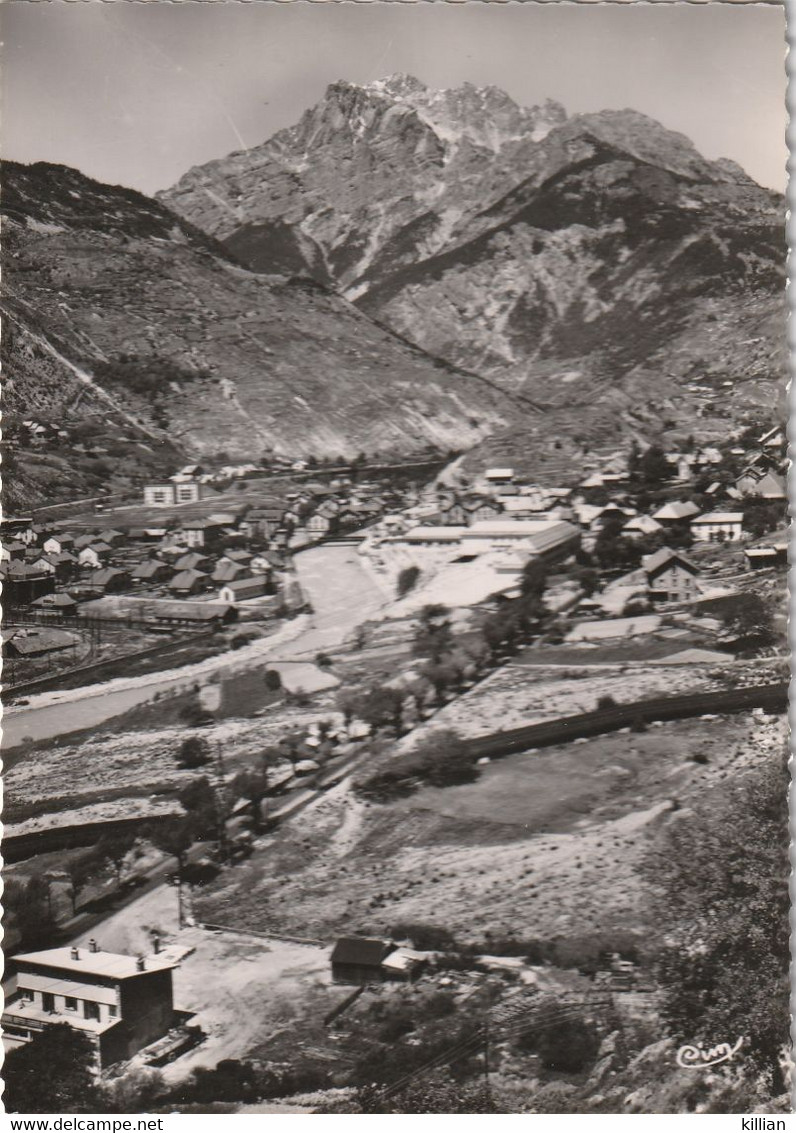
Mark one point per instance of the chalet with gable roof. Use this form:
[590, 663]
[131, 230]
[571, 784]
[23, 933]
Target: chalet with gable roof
[671, 577]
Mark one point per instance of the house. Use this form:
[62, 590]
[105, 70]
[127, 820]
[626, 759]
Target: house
[93, 557]
[158, 611]
[675, 512]
[518, 507]
[110, 580]
[18, 528]
[151, 571]
[23, 583]
[13, 550]
[430, 536]
[770, 487]
[229, 572]
[404, 964]
[121, 1003]
[161, 494]
[240, 558]
[452, 514]
[358, 959]
[671, 577]
[262, 521]
[43, 564]
[83, 541]
[61, 605]
[112, 537]
[188, 582]
[718, 527]
[200, 533]
[37, 642]
[758, 558]
[497, 476]
[319, 524]
[189, 472]
[243, 589]
[483, 508]
[190, 492]
[193, 561]
[641, 525]
[58, 543]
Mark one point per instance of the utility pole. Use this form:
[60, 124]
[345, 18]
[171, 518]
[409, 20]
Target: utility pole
[486, 1053]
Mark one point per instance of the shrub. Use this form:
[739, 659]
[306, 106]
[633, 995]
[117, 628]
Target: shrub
[568, 1046]
[424, 937]
[606, 702]
[273, 681]
[193, 753]
[407, 580]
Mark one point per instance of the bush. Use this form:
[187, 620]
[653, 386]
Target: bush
[606, 702]
[566, 1046]
[424, 937]
[241, 639]
[407, 580]
[193, 753]
[273, 681]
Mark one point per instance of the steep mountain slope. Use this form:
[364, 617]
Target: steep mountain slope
[372, 177]
[599, 265]
[119, 313]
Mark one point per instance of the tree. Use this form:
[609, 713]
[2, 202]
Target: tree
[533, 580]
[29, 903]
[653, 465]
[751, 621]
[53, 1073]
[433, 636]
[80, 870]
[173, 838]
[587, 578]
[193, 753]
[202, 809]
[721, 888]
[444, 761]
[565, 1045]
[114, 847]
[273, 681]
[253, 785]
[439, 676]
[612, 549]
[382, 706]
[407, 580]
[347, 704]
[290, 747]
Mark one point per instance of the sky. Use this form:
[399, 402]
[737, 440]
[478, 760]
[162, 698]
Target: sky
[137, 93]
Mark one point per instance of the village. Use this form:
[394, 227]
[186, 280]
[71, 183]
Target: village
[490, 611]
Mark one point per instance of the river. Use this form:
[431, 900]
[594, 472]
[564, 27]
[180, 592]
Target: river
[342, 595]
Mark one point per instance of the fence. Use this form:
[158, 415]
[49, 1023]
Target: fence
[18, 847]
[773, 698]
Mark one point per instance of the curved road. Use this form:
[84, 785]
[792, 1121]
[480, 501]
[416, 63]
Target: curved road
[342, 595]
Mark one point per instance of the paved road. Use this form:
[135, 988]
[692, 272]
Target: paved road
[342, 595]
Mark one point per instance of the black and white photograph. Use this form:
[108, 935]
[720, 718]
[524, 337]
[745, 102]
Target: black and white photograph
[394, 559]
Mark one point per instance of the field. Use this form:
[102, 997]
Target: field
[541, 845]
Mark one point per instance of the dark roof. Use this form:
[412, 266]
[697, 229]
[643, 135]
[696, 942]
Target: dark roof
[185, 579]
[106, 575]
[362, 950]
[48, 601]
[149, 569]
[153, 609]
